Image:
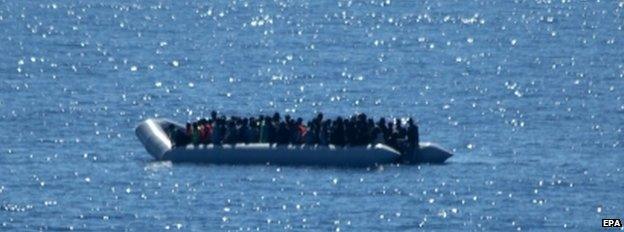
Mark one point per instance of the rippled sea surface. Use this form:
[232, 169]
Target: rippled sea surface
[528, 95]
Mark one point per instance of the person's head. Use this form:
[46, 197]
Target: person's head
[319, 116]
[410, 121]
[188, 126]
[299, 121]
[287, 118]
[276, 117]
[213, 115]
[362, 117]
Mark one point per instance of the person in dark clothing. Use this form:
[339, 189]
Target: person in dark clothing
[217, 136]
[222, 130]
[401, 131]
[213, 115]
[276, 118]
[282, 134]
[351, 132]
[170, 130]
[412, 134]
[195, 134]
[254, 130]
[291, 128]
[189, 130]
[317, 123]
[243, 131]
[319, 119]
[393, 140]
[298, 132]
[382, 125]
[264, 129]
[325, 132]
[371, 134]
[337, 136]
[389, 132]
[287, 118]
[231, 134]
[309, 135]
[274, 131]
[376, 135]
[361, 130]
[177, 136]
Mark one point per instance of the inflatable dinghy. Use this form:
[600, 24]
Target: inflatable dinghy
[152, 135]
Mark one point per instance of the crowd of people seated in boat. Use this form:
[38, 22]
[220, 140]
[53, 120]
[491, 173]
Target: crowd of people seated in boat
[357, 130]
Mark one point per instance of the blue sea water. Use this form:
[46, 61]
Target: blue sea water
[528, 94]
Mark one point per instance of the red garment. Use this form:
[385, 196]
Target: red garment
[205, 133]
[302, 131]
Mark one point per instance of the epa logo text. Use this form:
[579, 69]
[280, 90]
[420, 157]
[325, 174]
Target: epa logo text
[611, 223]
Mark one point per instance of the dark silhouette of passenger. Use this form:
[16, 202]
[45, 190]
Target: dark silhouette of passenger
[319, 119]
[317, 123]
[299, 131]
[393, 138]
[189, 130]
[385, 131]
[361, 130]
[254, 130]
[282, 134]
[195, 133]
[292, 129]
[325, 132]
[412, 134]
[376, 136]
[213, 115]
[401, 131]
[218, 133]
[231, 134]
[264, 130]
[272, 128]
[276, 118]
[205, 131]
[243, 131]
[337, 136]
[310, 135]
[351, 132]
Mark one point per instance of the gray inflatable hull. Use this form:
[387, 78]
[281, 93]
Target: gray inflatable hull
[157, 144]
